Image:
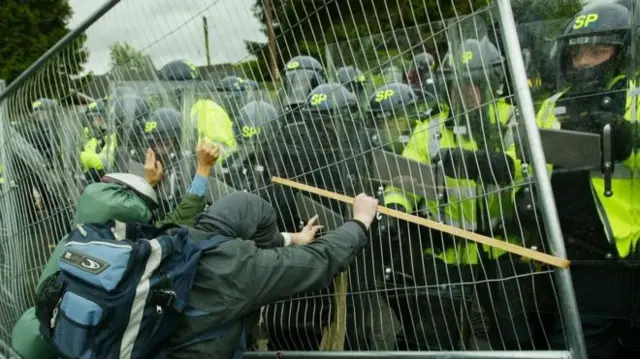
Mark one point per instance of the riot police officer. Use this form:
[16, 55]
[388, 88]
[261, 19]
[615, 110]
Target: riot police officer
[163, 132]
[179, 70]
[597, 208]
[328, 148]
[234, 93]
[129, 114]
[42, 131]
[421, 70]
[98, 151]
[353, 79]
[254, 127]
[302, 74]
[393, 111]
[468, 140]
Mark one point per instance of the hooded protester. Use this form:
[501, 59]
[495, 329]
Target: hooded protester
[240, 276]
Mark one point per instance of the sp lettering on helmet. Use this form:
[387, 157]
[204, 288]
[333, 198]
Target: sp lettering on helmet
[384, 95]
[585, 20]
[193, 69]
[318, 98]
[249, 131]
[150, 126]
[36, 104]
[293, 65]
[93, 105]
[466, 57]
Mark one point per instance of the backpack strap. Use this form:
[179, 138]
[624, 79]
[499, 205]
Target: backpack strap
[181, 305]
[211, 243]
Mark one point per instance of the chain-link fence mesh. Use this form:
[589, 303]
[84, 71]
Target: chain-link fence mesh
[414, 102]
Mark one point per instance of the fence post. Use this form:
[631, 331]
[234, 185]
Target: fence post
[7, 223]
[568, 304]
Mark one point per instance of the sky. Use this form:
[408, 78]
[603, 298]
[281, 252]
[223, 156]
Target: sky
[169, 29]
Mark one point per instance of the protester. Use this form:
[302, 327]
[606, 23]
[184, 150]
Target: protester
[240, 276]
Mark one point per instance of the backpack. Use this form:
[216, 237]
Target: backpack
[122, 298]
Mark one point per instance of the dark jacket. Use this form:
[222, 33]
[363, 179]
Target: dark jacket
[236, 279]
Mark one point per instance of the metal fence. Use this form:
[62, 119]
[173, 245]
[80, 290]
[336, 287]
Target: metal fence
[415, 291]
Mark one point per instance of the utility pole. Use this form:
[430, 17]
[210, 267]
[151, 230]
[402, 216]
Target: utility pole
[206, 39]
[275, 74]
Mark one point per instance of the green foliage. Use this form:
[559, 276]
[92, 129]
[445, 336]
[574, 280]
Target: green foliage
[305, 26]
[27, 30]
[126, 56]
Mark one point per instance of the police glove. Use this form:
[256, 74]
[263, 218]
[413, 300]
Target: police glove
[623, 133]
[489, 166]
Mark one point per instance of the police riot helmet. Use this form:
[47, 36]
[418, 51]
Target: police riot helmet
[352, 78]
[255, 120]
[302, 74]
[605, 24]
[43, 108]
[97, 109]
[305, 62]
[163, 133]
[393, 110]
[392, 98]
[233, 83]
[130, 107]
[96, 118]
[137, 184]
[472, 76]
[179, 70]
[234, 92]
[420, 69]
[330, 100]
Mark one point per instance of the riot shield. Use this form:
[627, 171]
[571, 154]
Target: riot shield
[394, 170]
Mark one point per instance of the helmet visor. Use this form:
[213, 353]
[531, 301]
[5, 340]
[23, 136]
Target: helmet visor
[298, 85]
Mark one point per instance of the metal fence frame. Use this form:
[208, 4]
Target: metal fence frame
[552, 225]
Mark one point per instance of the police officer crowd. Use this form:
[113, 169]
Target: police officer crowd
[454, 121]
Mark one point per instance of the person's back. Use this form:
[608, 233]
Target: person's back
[235, 280]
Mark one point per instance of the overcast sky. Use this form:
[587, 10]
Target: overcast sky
[170, 29]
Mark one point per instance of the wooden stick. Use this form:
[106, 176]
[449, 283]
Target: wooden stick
[478, 238]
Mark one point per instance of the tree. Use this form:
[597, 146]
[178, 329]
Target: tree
[27, 30]
[307, 26]
[126, 56]
[129, 64]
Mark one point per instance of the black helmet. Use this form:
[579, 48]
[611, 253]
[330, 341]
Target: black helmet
[352, 78]
[179, 70]
[393, 111]
[391, 98]
[233, 83]
[163, 132]
[234, 92]
[255, 120]
[302, 74]
[330, 99]
[304, 62]
[421, 69]
[130, 107]
[596, 24]
[477, 65]
[96, 118]
[43, 108]
[97, 108]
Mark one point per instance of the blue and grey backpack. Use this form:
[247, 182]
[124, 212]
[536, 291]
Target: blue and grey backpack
[122, 299]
